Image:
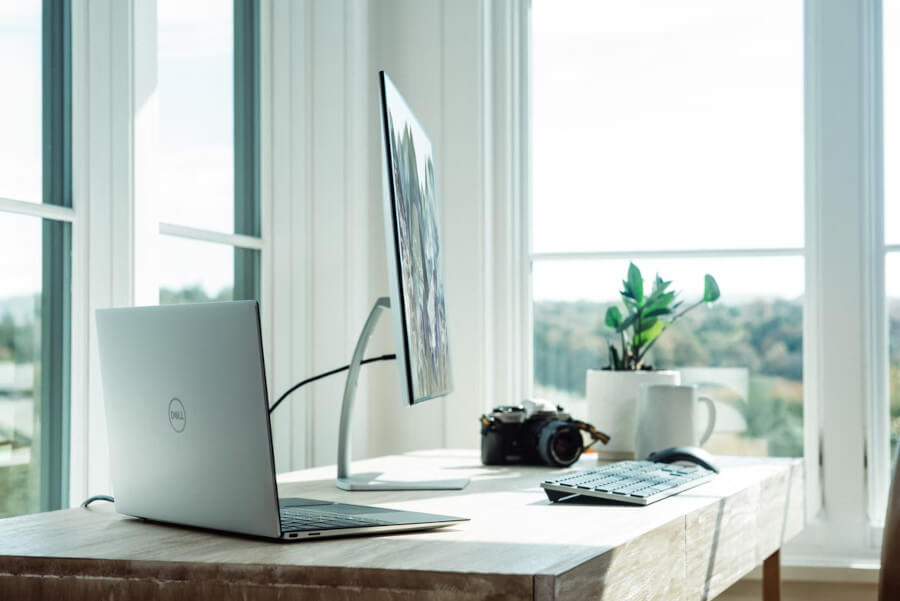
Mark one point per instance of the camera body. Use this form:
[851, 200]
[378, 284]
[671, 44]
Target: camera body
[533, 433]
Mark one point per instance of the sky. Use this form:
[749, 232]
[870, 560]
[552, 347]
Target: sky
[661, 125]
[195, 88]
[656, 125]
[196, 100]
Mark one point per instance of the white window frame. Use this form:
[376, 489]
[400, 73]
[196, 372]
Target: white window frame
[115, 126]
[55, 205]
[844, 292]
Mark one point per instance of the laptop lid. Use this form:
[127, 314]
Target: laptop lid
[187, 414]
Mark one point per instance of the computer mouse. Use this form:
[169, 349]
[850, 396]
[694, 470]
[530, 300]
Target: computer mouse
[694, 455]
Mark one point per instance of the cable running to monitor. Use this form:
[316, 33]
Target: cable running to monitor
[90, 500]
[325, 375]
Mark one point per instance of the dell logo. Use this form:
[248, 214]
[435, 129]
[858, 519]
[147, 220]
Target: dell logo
[177, 417]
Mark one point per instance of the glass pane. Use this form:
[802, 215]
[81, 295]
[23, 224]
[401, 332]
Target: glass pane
[892, 285]
[20, 355]
[196, 100]
[891, 91]
[746, 350]
[193, 271]
[20, 102]
[667, 125]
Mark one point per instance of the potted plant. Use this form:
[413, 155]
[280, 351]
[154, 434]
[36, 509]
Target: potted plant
[612, 392]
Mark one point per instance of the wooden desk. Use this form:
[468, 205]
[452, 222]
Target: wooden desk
[517, 546]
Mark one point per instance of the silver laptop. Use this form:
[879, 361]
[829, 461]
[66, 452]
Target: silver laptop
[189, 436]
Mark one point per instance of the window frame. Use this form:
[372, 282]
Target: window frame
[811, 449]
[56, 287]
[57, 216]
[115, 150]
[843, 243]
[247, 235]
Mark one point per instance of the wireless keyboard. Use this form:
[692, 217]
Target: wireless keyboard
[637, 482]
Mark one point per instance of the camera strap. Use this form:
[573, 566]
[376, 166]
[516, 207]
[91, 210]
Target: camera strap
[593, 432]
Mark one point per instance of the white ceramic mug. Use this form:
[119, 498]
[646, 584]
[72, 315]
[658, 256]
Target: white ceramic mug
[667, 417]
[612, 399]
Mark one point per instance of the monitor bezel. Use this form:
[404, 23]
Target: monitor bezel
[398, 306]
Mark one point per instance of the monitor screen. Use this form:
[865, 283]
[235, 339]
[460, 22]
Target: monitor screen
[414, 251]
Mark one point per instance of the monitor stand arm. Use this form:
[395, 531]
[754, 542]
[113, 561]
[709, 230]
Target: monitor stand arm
[371, 481]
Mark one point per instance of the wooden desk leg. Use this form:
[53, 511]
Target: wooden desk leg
[772, 577]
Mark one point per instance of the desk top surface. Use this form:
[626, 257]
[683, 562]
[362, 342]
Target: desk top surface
[514, 530]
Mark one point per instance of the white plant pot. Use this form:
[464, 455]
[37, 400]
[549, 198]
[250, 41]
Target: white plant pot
[612, 398]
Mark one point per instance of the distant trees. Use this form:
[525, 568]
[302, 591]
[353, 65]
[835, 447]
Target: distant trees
[19, 334]
[20, 320]
[765, 336]
[192, 294]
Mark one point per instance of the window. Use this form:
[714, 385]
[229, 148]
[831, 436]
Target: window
[36, 220]
[209, 156]
[891, 86]
[671, 135]
[886, 246]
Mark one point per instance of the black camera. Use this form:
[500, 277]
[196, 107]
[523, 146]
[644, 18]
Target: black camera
[535, 433]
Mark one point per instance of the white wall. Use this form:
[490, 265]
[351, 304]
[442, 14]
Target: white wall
[315, 173]
[323, 245]
[325, 118]
[432, 51]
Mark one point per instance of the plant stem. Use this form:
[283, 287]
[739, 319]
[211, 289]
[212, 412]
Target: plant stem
[635, 346]
[691, 308]
[674, 319]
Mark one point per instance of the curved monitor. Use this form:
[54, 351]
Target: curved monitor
[412, 235]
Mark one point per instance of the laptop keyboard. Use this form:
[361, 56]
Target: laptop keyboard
[295, 519]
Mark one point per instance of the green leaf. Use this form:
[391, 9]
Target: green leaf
[647, 323]
[635, 282]
[647, 336]
[659, 301]
[710, 289]
[658, 312]
[660, 285]
[627, 323]
[613, 317]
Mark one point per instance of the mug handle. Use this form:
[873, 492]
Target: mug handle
[711, 425]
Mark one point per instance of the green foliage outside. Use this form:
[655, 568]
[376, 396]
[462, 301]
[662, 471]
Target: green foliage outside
[894, 350]
[192, 294]
[19, 331]
[765, 336]
[18, 490]
[20, 345]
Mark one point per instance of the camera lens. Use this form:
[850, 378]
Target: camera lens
[560, 443]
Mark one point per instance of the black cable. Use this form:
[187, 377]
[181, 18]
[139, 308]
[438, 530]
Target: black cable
[98, 498]
[325, 375]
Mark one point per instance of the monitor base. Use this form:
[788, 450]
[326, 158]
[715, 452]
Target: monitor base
[372, 482]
